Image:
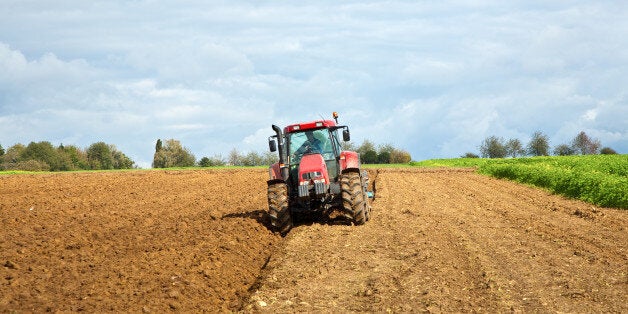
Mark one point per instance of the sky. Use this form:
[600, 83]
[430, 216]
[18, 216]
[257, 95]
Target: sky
[434, 78]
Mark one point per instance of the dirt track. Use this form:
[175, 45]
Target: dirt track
[439, 240]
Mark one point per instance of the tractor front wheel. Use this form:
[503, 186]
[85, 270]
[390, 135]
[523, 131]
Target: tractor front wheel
[278, 207]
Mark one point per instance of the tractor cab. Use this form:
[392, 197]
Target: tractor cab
[307, 146]
[318, 137]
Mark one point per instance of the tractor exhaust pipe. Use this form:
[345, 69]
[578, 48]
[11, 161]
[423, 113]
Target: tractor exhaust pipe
[282, 146]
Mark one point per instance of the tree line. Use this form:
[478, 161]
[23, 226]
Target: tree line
[382, 154]
[497, 147]
[170, 153]
[43, 156]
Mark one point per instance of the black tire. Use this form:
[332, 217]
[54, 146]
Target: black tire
[353, 197]
[278, 207]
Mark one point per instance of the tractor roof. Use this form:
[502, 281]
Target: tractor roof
[309, 126]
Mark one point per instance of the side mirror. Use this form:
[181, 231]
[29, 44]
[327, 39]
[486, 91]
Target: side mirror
[345, 135]
[272, 144]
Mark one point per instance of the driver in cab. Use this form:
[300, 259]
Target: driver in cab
[312, 144]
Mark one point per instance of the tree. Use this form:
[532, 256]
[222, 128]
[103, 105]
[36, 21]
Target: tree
[65, 159]
[158, 146]
[384, 153]
[514, 148]
[269, 158]
[158, 157]
[563, 150]
[11, 157]
[584, 145]
[43, 152]
[538, 145]
[173, 154]
[211, 162]
[99, 156]
[204, 162]
[383, 157]
[493, 147]
[120, 160]
[368, 154]
[1, 151]
[470, 155]
[234, 158]
[73, 158]
[251, 159]
[369, 157]
[608, 151]
[398, 156]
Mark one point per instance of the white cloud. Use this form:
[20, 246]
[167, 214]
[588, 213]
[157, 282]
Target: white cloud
[590, 115]
[17, 70]
[434, 78]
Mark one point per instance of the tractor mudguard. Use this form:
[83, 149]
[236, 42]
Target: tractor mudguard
[349, 160]
[274, 172]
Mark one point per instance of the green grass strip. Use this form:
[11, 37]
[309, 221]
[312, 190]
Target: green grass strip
[598, 179]
[594, 187]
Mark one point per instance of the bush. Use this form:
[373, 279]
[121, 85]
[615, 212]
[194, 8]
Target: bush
[469, 155]
[563, 150]
[608, 151]
[399, 156]
[27, 165]
[211, 162]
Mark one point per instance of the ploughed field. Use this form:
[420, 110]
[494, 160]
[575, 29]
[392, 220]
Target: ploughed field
[442, 240]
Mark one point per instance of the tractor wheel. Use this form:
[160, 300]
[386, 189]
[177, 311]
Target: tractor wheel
[353, 197]
[278, 208]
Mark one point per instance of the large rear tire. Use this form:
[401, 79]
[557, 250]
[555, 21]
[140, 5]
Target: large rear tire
[353, 197]
[278, 207]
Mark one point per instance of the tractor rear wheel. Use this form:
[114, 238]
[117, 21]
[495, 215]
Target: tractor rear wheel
[353, 197]
[278, 207]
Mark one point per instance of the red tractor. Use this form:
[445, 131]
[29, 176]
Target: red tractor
[314, 175]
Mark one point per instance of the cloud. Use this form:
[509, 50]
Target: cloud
[434, 78]
[47, 81]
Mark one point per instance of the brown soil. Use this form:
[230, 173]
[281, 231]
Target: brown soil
[439, 240]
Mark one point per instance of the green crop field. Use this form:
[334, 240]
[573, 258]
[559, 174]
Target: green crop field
[598, 179]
